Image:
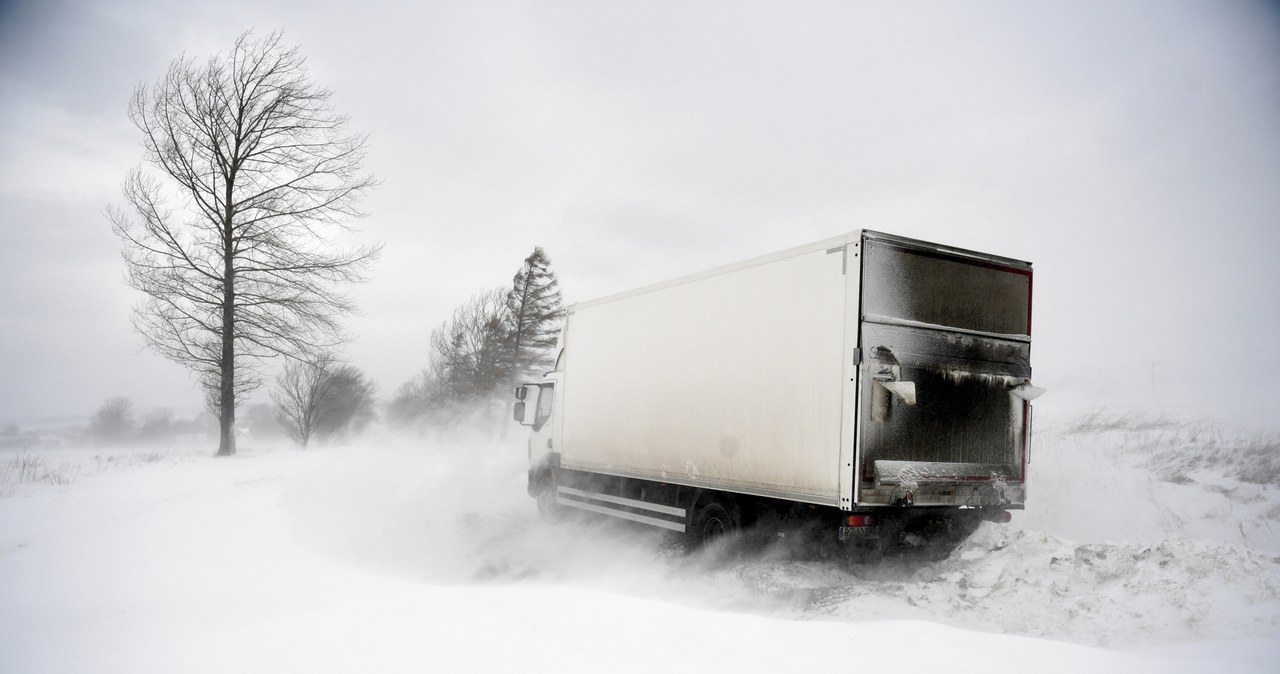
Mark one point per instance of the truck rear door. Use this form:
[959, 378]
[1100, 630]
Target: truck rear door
[945, 342]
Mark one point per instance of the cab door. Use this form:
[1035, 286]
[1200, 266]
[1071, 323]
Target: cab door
[541, 439]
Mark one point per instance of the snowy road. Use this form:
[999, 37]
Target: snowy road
[394, 559]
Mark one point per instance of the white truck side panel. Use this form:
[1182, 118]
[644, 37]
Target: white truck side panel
[733, 379]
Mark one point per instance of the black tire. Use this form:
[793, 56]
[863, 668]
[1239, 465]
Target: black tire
[545, 497]
[851, 554]
[863, 554]
[938, 535]
[711, 522]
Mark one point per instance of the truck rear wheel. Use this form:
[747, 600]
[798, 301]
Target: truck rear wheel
[936, 535]
[851, 554]
[711, 522]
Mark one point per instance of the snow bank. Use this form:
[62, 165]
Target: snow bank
[1111, 477]
[1027, 583]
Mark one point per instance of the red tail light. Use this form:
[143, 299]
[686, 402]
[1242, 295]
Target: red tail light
[859, 520]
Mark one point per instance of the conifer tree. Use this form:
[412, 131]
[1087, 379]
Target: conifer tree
[535, 310]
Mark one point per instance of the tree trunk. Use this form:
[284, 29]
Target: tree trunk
[226, 433]
[227, 387]
[227, 393]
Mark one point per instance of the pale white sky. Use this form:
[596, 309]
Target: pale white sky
[1131, 150]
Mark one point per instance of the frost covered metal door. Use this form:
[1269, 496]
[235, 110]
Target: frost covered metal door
[945, 338]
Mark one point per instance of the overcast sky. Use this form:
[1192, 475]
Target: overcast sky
[1131, 150]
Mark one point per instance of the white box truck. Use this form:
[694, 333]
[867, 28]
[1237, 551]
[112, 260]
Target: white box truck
[866, 388]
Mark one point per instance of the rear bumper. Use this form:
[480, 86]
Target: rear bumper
[942, 484]
[1013, 496]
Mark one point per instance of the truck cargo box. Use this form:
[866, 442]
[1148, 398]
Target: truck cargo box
[863, 370]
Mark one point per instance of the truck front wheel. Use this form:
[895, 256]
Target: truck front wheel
[547, 506]
[544, 494]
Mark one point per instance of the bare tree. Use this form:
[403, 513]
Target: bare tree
[157, 426]
[470, 351]
[113, 422]
[299, 396]
[349, 405]
[321, 398]
[424, 399]
[264, 173]
[413, 400]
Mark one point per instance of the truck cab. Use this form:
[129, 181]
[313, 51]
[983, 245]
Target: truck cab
[535, 408]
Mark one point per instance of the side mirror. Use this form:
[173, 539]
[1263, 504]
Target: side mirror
[519, 409]
[520, 393]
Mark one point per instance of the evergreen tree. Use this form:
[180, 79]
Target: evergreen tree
[495, 338]
[535, 311]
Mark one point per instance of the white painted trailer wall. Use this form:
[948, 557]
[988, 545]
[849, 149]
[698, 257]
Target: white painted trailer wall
[737, 378]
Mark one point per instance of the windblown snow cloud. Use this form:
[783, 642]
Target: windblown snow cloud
[1129, 151]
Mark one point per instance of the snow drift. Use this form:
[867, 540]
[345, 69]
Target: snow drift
[398, 554]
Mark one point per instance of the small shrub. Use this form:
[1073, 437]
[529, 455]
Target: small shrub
[27, 468]
[1176, 450]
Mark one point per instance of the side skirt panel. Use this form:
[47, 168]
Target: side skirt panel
[623, 508]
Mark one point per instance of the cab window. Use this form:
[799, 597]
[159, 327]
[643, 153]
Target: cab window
[546, 394]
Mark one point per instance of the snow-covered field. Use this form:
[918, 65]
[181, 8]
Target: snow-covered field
[1148, 546]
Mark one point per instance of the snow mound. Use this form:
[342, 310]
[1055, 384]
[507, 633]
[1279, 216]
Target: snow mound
[1112, 477]
[1035, 584]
